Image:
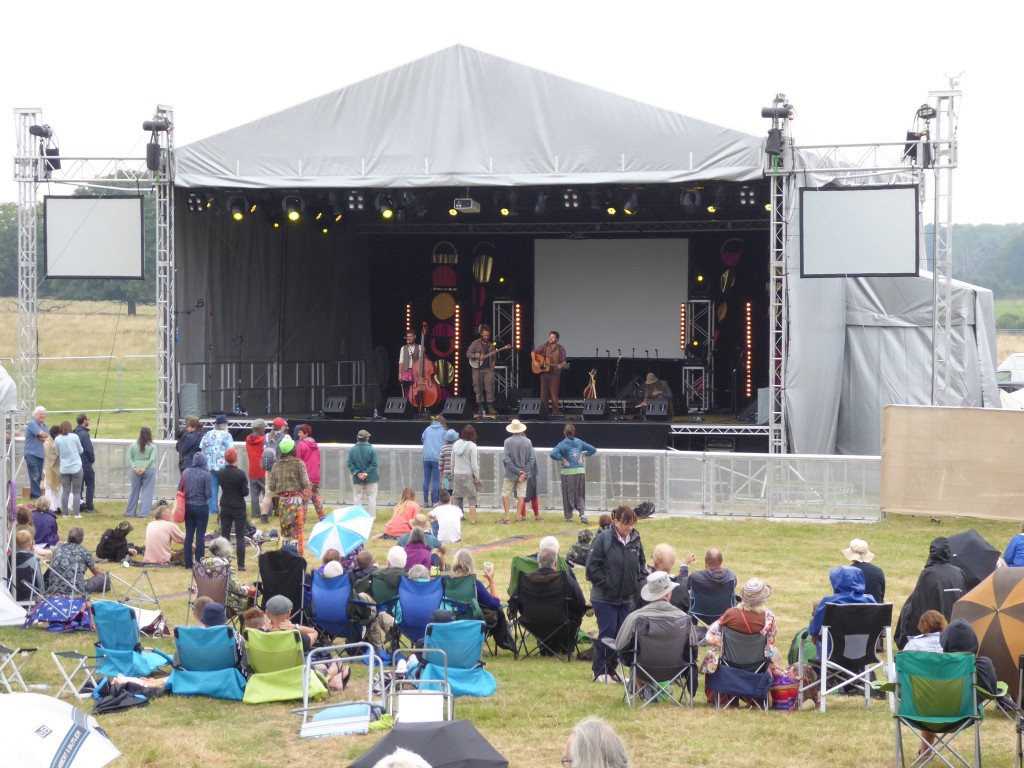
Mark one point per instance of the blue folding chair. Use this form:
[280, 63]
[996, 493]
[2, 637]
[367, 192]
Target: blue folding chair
[331, 607]
[416, 601]
[462, 643]
[207, 662]
[119, 649]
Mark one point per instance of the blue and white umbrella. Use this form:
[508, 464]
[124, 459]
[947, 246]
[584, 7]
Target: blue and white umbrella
[343, 530]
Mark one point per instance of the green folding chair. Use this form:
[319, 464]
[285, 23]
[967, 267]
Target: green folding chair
[938, 693]
[522, 564]
[277, 664]
[460, 597]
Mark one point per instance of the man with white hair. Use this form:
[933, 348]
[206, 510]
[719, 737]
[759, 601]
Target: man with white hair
[402, 758]
[36, 433]
[382, 587]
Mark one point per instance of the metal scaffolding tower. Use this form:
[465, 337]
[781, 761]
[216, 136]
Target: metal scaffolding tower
[31, 168]
[504, 332]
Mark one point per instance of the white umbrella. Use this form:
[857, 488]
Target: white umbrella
[343, 529]
[44, 731]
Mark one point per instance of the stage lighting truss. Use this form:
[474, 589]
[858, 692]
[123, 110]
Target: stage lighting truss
[293, 207]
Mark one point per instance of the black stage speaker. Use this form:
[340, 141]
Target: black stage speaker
[456, 407]
[531, 407]
[595, 410]
[516, 395]
[656, 410]
[397, 408]
[338, 407]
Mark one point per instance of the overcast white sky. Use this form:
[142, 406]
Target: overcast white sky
[855, 74]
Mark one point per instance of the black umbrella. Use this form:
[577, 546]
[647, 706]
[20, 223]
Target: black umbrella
[973, 555]
[449, 744]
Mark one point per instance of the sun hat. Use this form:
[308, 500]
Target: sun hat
[420, 521]
[658, 585]
[515, 427]
[259, 424]
[220, 419]
[279, 605]
[214, 615]
[858, 552]
[651, 379]
[362, 434]
[287, 445]
[451, 436]
[279, 422]
[755, 591]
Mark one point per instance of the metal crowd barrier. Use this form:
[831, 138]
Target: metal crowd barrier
[680, 483]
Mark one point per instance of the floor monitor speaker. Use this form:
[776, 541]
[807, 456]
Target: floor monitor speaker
[595, 410]
[397, 408]
[531, 407]
[339, 407]
[456, 408]
[656, 410]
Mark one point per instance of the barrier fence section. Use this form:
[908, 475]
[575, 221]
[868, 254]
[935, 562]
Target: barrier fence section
[679, 483]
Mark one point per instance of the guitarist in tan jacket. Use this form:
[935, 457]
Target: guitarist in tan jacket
[482, 355]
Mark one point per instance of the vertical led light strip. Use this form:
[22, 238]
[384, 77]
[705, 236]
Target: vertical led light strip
[457, 357]
[408, 316]
[682, 326]
[517, 336]
[750, 347]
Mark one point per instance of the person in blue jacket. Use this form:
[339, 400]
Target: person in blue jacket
[570, 454]
[433, 440]
[1014, 554]
[848, 587]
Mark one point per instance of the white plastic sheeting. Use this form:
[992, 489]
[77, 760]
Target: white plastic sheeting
[460, 116]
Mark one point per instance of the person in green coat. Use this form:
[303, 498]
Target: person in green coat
[362, 463]
[142, 463]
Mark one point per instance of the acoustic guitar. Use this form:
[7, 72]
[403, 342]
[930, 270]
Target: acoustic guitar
[541, 364]
[478, 360]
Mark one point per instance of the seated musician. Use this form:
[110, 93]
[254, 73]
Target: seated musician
[656, 389]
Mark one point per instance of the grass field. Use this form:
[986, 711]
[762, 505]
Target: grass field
[538, 700]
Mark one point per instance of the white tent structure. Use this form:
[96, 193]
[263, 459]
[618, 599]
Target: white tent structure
[463, 117]
[8, 407]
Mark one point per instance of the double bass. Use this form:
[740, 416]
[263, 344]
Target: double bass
[424, 392]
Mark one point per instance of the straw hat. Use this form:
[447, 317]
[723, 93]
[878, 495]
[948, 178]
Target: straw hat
[858, 552]
[515, 427]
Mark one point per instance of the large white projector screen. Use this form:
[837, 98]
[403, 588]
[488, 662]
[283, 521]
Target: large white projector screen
[604, 296]
[858, 232]
[94, 237]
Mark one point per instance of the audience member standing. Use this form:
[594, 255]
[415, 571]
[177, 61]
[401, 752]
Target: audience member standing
[142, 462]
[254, 445]
[85, 502]
[198, 489]
[362, 464]
[433, 440]
[939, 586]
[307, 450]
[466, 471]
[290, 483]
[69, 454]
[51, 470]
[36, 433]
[213, 445]
[519, 462]
[188, 442]
[570, 454]
[445, 464]
[234, 487]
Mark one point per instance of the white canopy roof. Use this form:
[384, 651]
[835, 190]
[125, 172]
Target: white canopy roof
[463, 117]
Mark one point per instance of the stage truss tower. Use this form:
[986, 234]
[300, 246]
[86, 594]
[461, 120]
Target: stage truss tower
[31, 169]
[505, 332]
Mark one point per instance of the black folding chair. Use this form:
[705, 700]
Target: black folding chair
[283, 572]
[661, 657]
[742, 671]
[539, 608]
[707, 604]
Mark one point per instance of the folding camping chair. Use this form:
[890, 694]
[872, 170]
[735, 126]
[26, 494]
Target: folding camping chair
[849, 638]
[938, 692]
[283, 572]
[76, 669]
[330, 607]
[416, 601]
[12, 662]
[660, 656]
[211, 583]
[522, 564]
[351, 716]
[61, 603]
[462, 643]
[421, 699]
[118, 649]
[277, 664]
[742, 671]
[207, 662]
[707, 604]
[28, 579]
[140, 595]
[460, 597]
[539, 608]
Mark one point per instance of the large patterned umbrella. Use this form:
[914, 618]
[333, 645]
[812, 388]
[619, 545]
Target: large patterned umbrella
[343, 529]
[44, 731]
[995, 608]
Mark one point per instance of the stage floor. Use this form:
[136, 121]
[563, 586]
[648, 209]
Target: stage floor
[721, 432]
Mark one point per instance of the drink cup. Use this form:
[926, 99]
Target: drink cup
[488, 567]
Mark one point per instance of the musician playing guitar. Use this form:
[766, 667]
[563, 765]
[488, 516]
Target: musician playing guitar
[548, 361]
[482, 356]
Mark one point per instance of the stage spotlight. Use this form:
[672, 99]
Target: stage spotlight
[385, 205]
[541, 206]
[453, 212]
[355, 200]
[718, 198]
[747, 196]
[42, 131]
[773, 146]
[293, 206]
[195, 202]
[631, 204]
[768, 206]
[690, 201]
[157, 125]
[507, 203]
[571, 199]
[237, 207]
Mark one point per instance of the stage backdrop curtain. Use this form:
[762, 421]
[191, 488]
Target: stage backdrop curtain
[247, 291]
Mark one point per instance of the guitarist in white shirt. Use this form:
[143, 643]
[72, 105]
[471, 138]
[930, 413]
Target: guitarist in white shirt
[482, 355]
